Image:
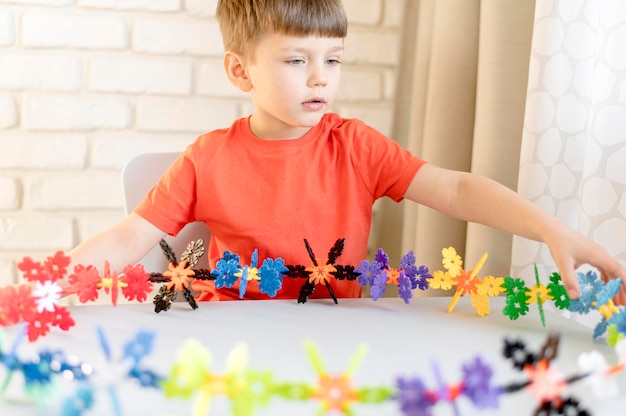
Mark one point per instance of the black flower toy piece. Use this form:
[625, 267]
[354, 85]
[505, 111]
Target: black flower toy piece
[321, 271]
[179, 276]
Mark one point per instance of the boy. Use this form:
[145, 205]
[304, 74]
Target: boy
[292, 170]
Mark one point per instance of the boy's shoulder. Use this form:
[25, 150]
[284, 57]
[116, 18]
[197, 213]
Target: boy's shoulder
[337, 121]
[350, 128]
[215, 136]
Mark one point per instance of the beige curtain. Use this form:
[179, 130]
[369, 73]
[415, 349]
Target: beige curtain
[466, 111]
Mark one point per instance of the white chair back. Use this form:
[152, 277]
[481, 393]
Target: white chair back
[139, 175]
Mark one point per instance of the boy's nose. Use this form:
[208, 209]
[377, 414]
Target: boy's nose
[318, 78]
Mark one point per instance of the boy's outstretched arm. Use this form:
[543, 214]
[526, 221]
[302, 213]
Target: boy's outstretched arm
[124, 243]
[479, 199]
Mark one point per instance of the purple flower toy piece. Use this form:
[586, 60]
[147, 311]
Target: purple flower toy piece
[378, 274]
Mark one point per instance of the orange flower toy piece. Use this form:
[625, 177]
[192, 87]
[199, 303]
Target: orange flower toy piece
[321, 271]
[180, 275]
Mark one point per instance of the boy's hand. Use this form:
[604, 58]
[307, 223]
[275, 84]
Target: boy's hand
[570, 250]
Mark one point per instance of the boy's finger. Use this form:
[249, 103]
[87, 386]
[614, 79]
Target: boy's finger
[568, 276]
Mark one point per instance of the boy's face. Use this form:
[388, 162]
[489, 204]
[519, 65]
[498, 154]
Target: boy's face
[294, 81]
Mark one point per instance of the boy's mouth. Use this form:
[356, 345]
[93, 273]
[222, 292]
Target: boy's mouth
[314, 104]
[315, 100]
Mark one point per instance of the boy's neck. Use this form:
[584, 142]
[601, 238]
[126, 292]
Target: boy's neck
[280, 131]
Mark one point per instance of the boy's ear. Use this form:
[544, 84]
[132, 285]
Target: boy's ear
[235, 70]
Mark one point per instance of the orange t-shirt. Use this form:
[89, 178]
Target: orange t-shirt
[273, 194]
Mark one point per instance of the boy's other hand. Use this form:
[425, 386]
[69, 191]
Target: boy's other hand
[571, 250]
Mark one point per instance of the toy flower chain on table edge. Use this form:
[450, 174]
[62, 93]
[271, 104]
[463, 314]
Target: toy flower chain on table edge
[36, 303]
[35, 307]
[190, 378]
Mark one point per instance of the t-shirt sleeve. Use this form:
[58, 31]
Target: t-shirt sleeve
[386, 168]
[170, 204]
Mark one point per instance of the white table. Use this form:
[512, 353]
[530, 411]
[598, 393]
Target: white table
[403, 340]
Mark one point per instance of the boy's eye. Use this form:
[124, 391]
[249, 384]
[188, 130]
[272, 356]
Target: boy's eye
[333, 61]
[296, 61]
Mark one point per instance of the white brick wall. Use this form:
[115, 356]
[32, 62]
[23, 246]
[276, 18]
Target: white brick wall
[7, 29]
[184, 36]
[7, 272]
[149, 5]
[40, 72]
[8, 111]
[36, 232]
[202, 8]
[87, 84]
[72, 112]
[133, 76]
[36, 153]
[62, 29]
[9, 194]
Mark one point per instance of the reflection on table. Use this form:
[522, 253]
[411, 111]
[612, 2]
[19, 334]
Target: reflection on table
[402, 340]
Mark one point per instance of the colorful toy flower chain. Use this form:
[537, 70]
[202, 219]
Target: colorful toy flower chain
[595, 294]
[36, 303]
[229, 270]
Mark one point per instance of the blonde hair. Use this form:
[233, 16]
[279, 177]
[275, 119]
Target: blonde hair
[243, 21]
